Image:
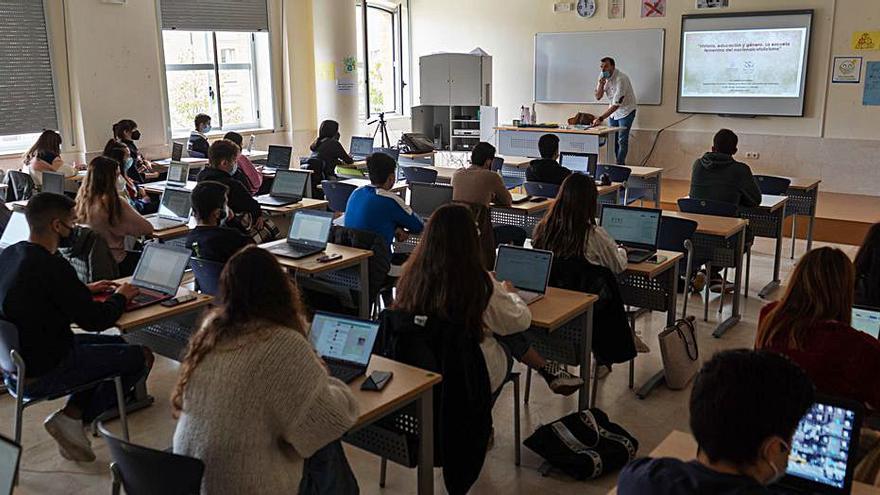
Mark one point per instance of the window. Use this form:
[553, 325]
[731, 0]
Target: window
[223, 74]
[380, 59]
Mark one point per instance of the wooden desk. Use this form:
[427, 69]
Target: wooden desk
[648, 178]
[803, 194]
[158, 187]
[166, 235]
[768, 220]
[519, 141]
[303, 204]
[681, 445]
[527, 215]
[131, 320]
[255, 154]
[520, 162]
[191, 161]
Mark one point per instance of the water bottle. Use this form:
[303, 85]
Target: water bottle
[250, 146]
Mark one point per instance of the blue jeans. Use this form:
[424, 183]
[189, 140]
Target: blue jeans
[621, 146]
[91, 358]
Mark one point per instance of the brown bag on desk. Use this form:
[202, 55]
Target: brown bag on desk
[678, 349]
[582, 119]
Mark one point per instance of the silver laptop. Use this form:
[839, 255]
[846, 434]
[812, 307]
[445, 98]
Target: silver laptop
[158, 274]
[308, 235]
[10, 455]
[527, 269]
[176, 151]
[866, 319]
[17, 230]
[344, 343]
[174, 209]
[636, 229]
[278, 157]
[178, 173]
[360, 147]
[53, 182]
[582, 163]
[424, 199]
[289, 187]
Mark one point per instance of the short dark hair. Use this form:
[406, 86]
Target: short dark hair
[202, 118]
[725, 141]
[548, 145]
[380, 166]
[221, 150]
[741, 398]
[45, 207]
[609, 60]
[482, 152]
[234, 137]
[207, 197]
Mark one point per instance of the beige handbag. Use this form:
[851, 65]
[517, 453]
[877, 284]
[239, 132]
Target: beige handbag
[678, 349]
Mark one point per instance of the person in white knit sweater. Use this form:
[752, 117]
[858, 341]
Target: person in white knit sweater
[253, 399]
[45, 156]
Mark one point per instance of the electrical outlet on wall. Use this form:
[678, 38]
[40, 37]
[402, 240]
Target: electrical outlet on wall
[560, 7]
[754, 155]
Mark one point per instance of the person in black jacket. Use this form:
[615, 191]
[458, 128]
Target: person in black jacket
[210, 239]
[547, 169]
[717, 176]
[329, 150]
[126, 132]
[41, 295]
[198, 139]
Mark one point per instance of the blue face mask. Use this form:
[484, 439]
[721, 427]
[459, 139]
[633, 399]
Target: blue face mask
[207, 128]
[606, 74]
[128, 163]
[234, 168]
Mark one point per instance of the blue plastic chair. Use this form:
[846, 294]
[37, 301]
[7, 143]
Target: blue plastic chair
[619, 173]
[541, 189]
[420, 174]
[676, 234]
[770, 184]
[337, 193]
[207, 275]
[512, 182]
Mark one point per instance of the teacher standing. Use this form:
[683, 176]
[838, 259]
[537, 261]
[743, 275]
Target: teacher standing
[614, 84]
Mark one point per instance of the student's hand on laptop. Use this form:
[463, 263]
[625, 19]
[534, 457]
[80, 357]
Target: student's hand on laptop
[401, 235]
[128, 291]
[102, 286]
[508, 286]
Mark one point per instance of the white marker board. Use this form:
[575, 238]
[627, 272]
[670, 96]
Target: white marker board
[567, 64]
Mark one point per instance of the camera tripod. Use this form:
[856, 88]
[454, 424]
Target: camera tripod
[383, 129]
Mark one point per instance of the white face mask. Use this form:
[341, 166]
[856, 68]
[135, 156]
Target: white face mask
[777, 473]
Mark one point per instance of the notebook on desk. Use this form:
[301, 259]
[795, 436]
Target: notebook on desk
[344, 343]
[527, 269]
[289, 187]
[175, 209]
[636, 229]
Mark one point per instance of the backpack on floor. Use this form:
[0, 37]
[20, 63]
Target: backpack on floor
[584, 445]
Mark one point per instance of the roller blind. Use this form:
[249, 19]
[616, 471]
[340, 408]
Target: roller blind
[27, 92]
[215, 15]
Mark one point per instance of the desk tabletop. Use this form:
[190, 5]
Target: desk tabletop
[651, 270]
[399, 186]
[645, 172]
[255, 154]
[593, 131]
[406, 385]
[196, 162]
[516, 161]
[350, 257]
[772, 202]
[558, 306]
[416, 156]
[303, 204]
[613, 187]
[159, 186]
[710, 224]
[156, 312]
[530, 206]
[172, 233]
[803, 183]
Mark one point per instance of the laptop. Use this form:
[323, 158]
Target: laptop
[278, 157]
[344, 343]
[424, 199]
[393, 153]
[308, 235]
[636, 229]
[174, 209]
[289, 187]
[10, 455]
[583, 163]
[527, 269]
[158, 274]
[824, 448]
[17, 230]
[53, 182]
[360, 147]
[178, 173]
[176, 151]
[866, 319]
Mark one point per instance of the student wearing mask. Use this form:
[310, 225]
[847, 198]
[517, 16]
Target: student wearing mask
[45, 156]
[211, 240]
[126, 132]
[868, 269]
[99, 207]
[547, 169]
[745, 407]
[247, 172]
[128, 190]
[275, 405]
[811, 324]
[198, 139]
[329, 150]
[41, 294]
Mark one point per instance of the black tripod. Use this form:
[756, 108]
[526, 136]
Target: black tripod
[383, 129]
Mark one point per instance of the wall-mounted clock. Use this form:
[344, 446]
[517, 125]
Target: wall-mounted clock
[586, 8]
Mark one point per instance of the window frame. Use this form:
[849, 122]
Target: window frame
[398, 59]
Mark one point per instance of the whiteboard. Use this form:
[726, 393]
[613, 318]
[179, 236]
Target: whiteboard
[567, 64]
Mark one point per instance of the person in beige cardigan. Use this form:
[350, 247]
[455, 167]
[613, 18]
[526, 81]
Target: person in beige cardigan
[253, 399]
[45, 156]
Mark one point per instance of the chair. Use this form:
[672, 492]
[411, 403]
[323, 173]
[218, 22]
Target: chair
[337, 193]
[196, 154]
[769, 184]
[541, 189]
[510, 234]
[20, 186]
[419, 174]
[676, 234]
[207, 275]
[142, 471]
[619, 173]
[90, 257]
[497, 164]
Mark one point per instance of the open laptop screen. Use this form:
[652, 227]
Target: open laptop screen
[311, 228]
[176, 203]
[53, 182]
[10, 453]
[161, 268]
[343, 338]
[393, 153]
[584, 163]
[176, 151]
[290, 183]
[361, 146]
[630, 226]
[867, 320]
[17, 230]
[426, 198]
[526, 269]
[178, 172]
[279, 156]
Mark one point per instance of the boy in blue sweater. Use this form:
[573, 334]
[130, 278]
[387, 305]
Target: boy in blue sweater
[374, 208]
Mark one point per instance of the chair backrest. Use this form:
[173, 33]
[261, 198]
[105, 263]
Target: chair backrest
[420, 174]
[196, 154]
[541, 189]
[707, 207]
[207, 275]
[510, 234]
[617, 173]
[770, 184]
[497, 164]
[20, 185]
[337, 193]
[378, 265]
[91, 257]
[148, 471]
[674, 231]
[8, 343]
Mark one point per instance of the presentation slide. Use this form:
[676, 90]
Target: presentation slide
[743, 63]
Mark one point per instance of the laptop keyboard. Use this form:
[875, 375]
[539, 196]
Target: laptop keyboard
[293, 250]
[345, 373]
[164, 223]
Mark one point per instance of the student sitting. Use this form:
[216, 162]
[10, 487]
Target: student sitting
[210, 239]
[222, 166]
[198, 140]
[127, 189]
[811, 325]
[745, 407]
[45, 156]
[99, 206]
[547, 169]
[126, 131]
[253, 399]
[374, 208]
[868, 269]
[718, 177]
[329, 150]
[41, 294]
[247, 172]
[444, 278]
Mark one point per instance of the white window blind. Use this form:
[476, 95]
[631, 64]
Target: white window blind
[27, 92]
[215, 15]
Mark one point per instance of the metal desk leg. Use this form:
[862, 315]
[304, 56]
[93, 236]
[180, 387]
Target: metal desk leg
[659, 180]
[587, 364]
[810, 228]
[737, 290]
[671, 310]
[777, 260]
[364, 286]
[610, 140]
[425, 406]
[793, 233]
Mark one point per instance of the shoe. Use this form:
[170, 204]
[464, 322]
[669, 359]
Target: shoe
[560, 381]
[715, 287]
[641, 346]
[699, 281]
[73, 444]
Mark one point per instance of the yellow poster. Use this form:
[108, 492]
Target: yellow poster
[866, 40]
[327, 71]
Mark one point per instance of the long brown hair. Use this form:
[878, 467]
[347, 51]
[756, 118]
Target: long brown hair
[253, 289]
[48, 141]
[867, 265]
[99, 187]
[567, 226]
[820, 289]
[444, 277]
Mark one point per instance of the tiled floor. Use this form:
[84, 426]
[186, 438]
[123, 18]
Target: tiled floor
[45, 471]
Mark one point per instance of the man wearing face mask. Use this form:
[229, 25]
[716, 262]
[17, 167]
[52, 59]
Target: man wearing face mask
[41, 294]
[616, 85]
[211, 240]
[745, 407]
[198, 138]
